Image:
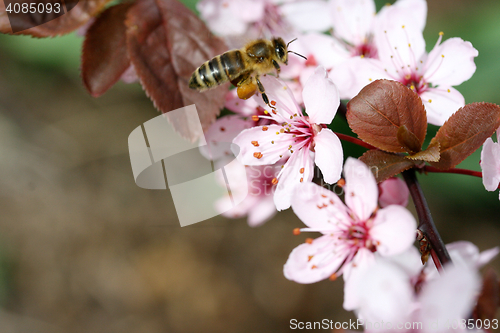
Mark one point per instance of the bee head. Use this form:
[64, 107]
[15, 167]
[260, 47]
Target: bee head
[280, 49]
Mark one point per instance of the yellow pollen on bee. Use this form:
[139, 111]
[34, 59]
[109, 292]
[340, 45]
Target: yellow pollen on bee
[265, 128]
[257, 155]
[255, 143]
[255, 118]
[301, 170]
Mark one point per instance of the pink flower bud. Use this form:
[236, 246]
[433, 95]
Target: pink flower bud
[393, 191]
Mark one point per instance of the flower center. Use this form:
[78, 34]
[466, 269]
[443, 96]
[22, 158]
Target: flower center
[415, 82]
[365, 50]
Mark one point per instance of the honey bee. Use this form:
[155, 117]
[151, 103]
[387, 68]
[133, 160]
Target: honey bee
[243, 67]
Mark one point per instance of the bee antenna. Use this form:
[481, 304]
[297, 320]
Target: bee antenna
[290, 42]
[300, 55]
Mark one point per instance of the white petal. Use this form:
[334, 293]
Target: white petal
[440, 103]
[400, 44]
[220, 135]
[321, 97]
[281, 96]
[245, 107]
[309, 263]
[220, 18]
[352, 19]
[262, 211]
[325, 50]
[262, 140]
[329, 156]
[490, 164]
[393, 230]
[318, 207]
[307, 15]
[298, 169]
[450, 297]
[487, 255]
[416, 9]
[361, 192]
[248, 10]
[450, 63]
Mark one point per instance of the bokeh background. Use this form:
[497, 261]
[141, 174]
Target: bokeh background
[83, 249]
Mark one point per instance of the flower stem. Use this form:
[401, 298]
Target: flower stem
[354, 140]
[426, 224]
[429, 168]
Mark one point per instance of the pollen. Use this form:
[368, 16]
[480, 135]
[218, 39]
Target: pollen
[324, 196]
[273, 111]
[407, 76]
[255, 118]
[441, 33]
[291, 117]
[255, 143]
[274, 181]
[301, 169]
[341, 182]
[442, 55]
[309, 258]
[430, 101]
[282, 130]
[273, 103]
[403, 27]
[296, 231]
[309, 240]
[314, 267]
[301, 180]
[409, 45]
[333, 277]
[265, 128]
[272, 142]
[362, 56]
[370, 79]
[257, 155]
[222, 129]
[449, 90]
[266, 112]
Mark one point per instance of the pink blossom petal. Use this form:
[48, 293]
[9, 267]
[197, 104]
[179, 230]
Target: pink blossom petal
[490, 164]
[384, 293]
[311, 15]
[261, 145]
[353, 276]
[354, 74]
[321, 97]
[245, 107]
[277, 91]
[309, 263]
[220, 18]
[327, 51]
[400, 42]
[416, 9]
[220, 135]
[329, 156]
[361, 193]
[298, 169]
[440, 103]
[393, 191]
[318, 207]
[248, 10]
[352, 19]
[450, 297]
[409, 261]
[227, 209]
[486, 256]
[393, 230]
[262, 211]
[450, 63]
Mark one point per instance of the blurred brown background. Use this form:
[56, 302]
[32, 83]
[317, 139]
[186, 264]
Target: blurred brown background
[83, 249]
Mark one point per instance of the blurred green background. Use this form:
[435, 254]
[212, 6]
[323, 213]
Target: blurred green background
[83, 249]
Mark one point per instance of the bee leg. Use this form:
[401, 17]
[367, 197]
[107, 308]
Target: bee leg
[263, 93]
[277, 66]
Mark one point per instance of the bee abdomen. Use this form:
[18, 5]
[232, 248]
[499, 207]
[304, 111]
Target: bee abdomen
[220, 69]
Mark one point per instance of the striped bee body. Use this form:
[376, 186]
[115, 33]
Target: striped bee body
[243, 67]
[223, 68]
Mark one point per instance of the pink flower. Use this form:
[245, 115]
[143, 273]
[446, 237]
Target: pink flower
[246, 20]
[386, 292]
[393, 191]
[351, 232]
[259, 204]
[304, 139]
[490, 163]
[402, 57]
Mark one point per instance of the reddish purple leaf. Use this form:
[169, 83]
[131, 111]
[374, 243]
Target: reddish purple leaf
[431, 154]
[72, 20]
[104, 55]
[385, 165]
[166, 43]
[378, 112]
[487, 303]
[465, 132]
